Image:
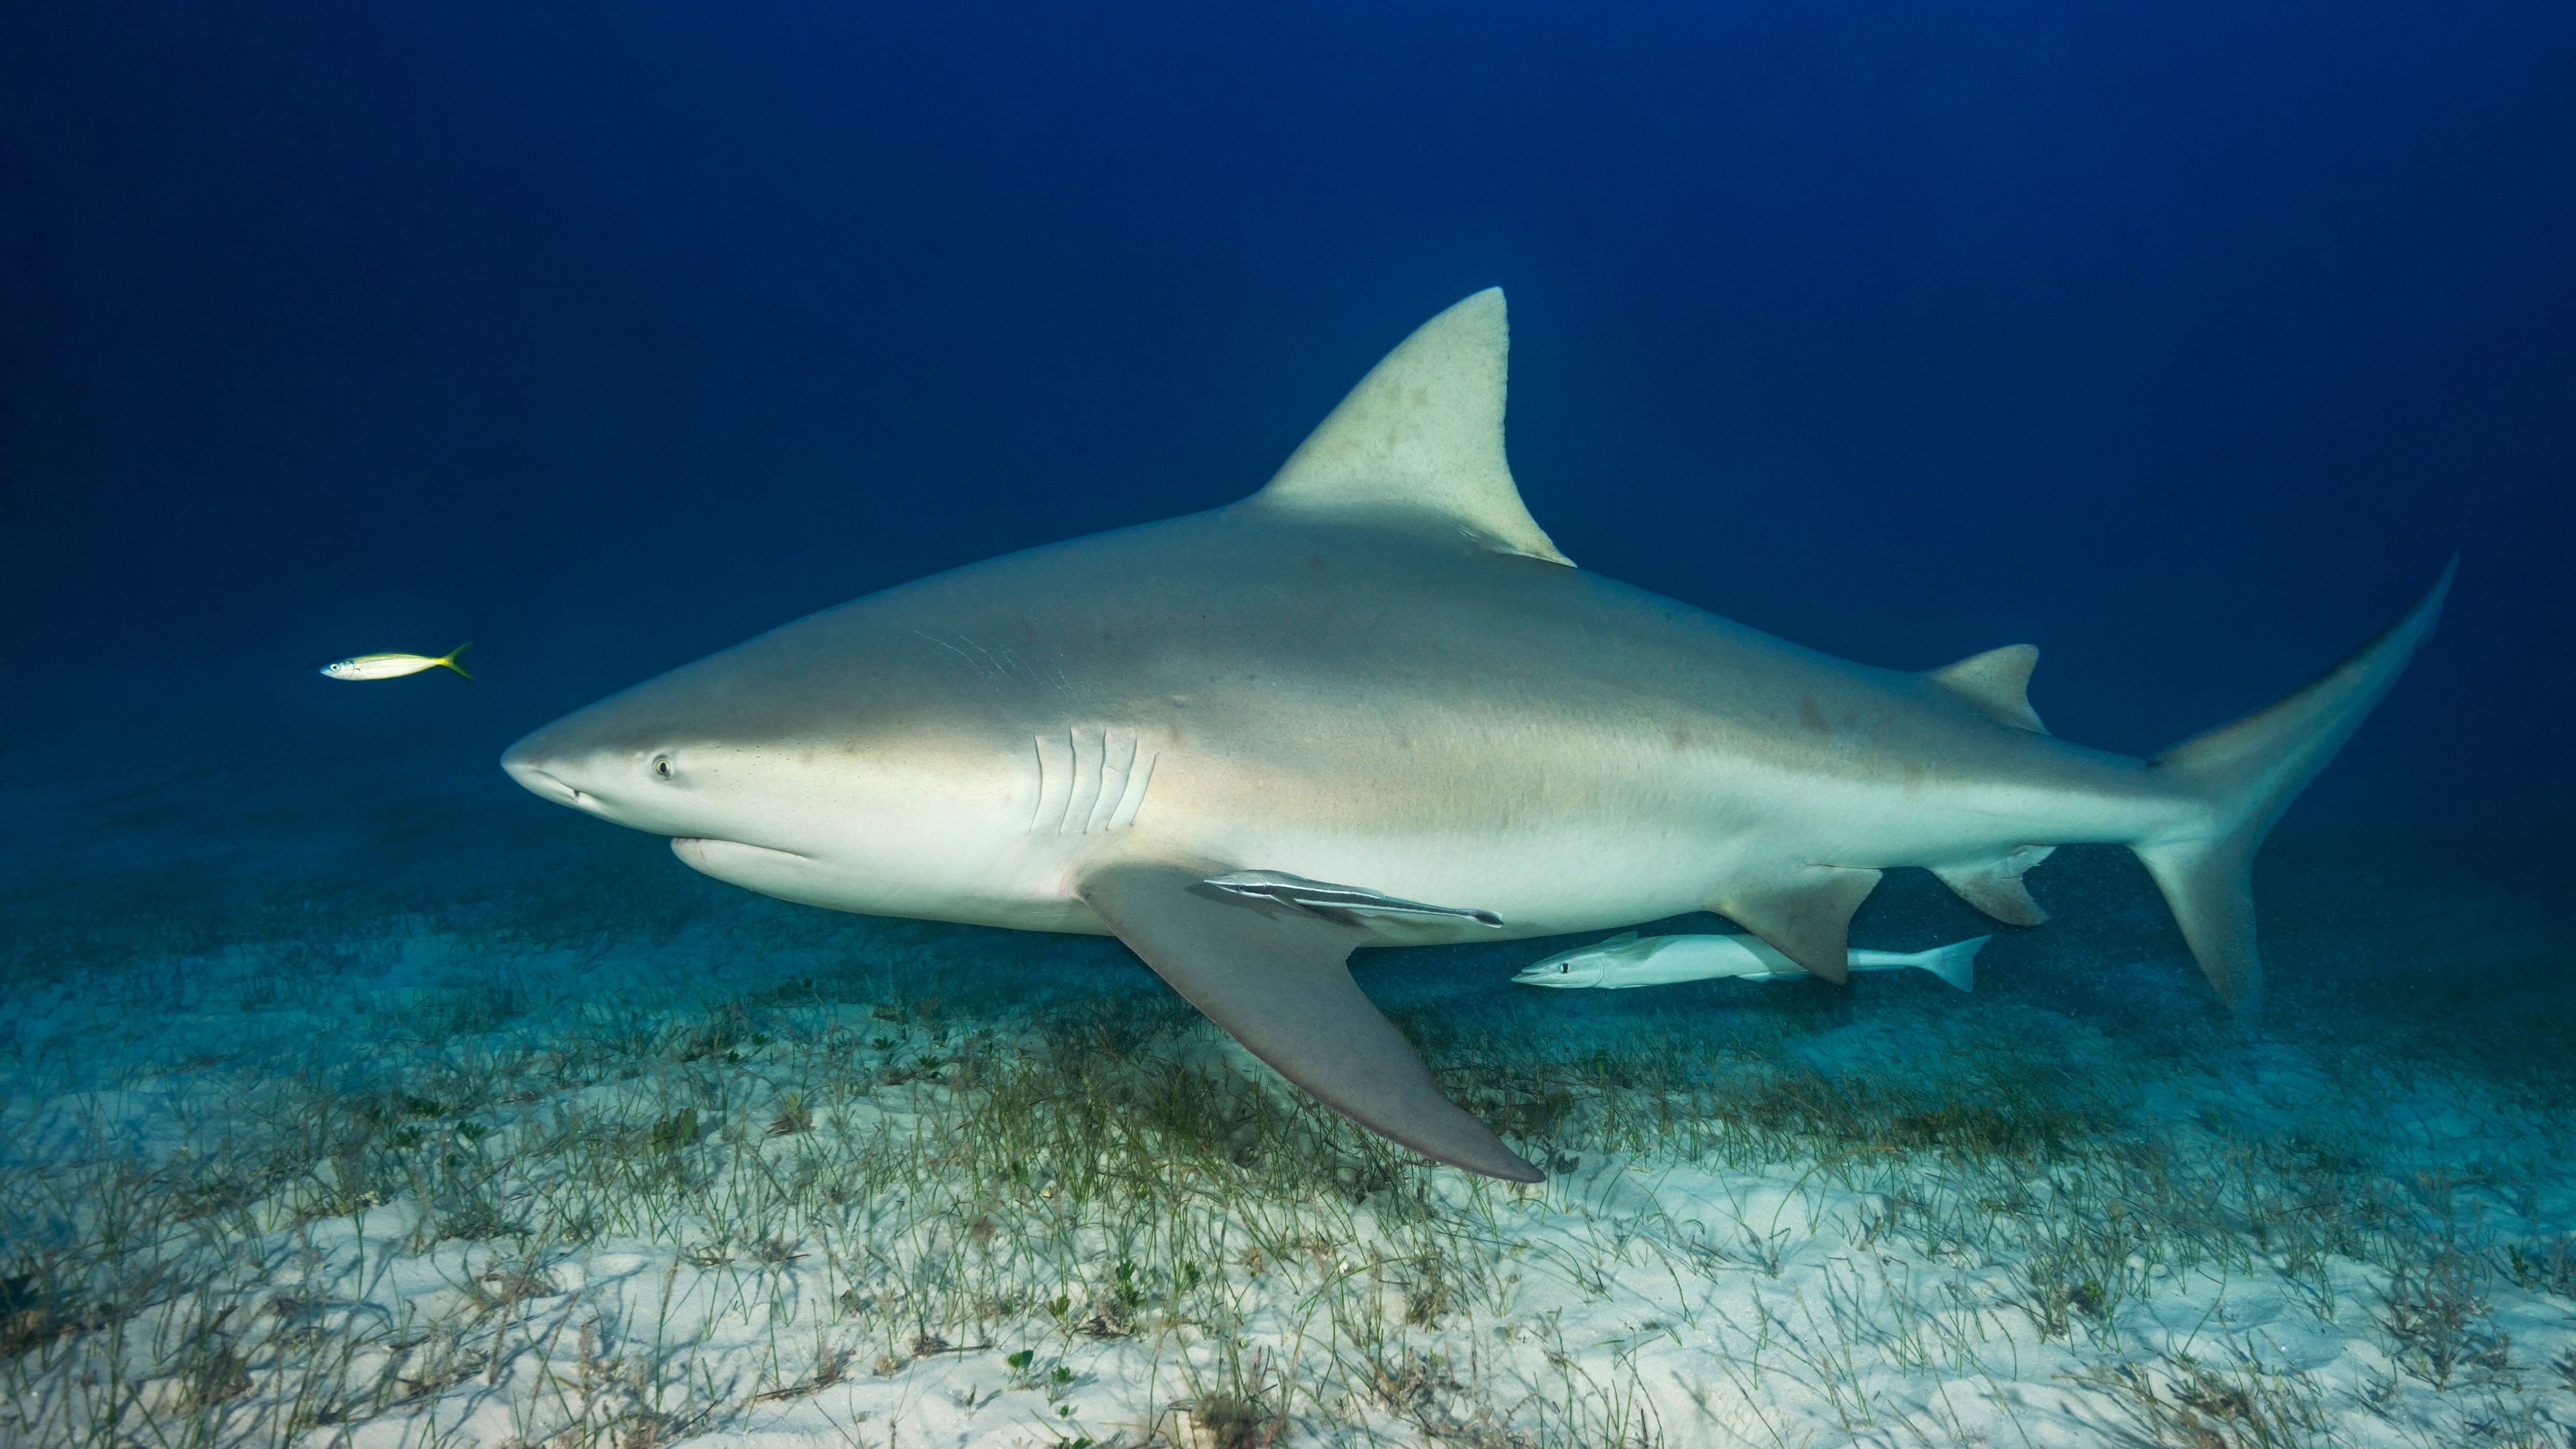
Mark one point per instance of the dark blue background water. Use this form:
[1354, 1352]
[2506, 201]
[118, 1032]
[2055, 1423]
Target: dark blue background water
[2185, 341]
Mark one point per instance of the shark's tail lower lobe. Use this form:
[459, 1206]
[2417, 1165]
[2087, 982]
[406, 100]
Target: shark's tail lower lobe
[2246, 774]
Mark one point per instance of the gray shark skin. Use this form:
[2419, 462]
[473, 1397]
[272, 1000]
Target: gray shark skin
[1372, 704]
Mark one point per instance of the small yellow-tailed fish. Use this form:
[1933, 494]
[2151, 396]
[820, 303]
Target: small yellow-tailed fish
[394, 666]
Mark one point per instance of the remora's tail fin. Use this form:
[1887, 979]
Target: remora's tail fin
[449, 658]
[1955, 963]
[2247, 773]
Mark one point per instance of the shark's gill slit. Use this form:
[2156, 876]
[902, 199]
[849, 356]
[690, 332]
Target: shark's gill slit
[1055, 780]
[1133, 799]
[1115, 764]
[1090, 781]
[1086, 781]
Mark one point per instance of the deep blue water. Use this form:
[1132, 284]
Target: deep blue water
[2185, 341]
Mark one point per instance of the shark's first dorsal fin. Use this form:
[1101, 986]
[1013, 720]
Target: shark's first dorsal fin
[1423, 434]
[1998, 682]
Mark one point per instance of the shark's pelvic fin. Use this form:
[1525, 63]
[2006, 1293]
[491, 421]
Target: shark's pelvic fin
[1806, 918]
[1272, 974]
[1995, 886]
[2246, 774]
[1998, 682]
[1423, 434]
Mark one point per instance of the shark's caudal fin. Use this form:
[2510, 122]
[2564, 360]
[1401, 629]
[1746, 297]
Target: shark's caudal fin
[2247, 773]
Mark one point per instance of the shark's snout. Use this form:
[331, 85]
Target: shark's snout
[653, 790]
[526, 763]
[543, 772]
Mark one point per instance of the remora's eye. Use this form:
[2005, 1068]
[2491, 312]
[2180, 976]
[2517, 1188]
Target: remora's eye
[662, 766]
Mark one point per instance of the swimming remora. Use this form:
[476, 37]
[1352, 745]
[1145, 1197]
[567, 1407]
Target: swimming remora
[1373, 704]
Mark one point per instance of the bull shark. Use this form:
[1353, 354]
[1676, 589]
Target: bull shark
[1373, 704]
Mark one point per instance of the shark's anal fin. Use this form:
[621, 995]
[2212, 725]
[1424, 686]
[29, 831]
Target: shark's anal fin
[1806, 918]
[1271, 974]
[1994, 885]
[1998, 682]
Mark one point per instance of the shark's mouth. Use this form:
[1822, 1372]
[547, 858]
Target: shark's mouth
[704, 851]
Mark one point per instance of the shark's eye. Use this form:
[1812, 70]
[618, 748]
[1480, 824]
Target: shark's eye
[662, 766]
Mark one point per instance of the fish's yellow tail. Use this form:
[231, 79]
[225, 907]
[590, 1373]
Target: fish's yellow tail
[449, 658]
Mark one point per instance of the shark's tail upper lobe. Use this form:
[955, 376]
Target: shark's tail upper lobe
[2246, 774]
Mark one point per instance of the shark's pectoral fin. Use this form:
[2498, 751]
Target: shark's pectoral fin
[1271, 973]
[1806, 917]
[1994, 885]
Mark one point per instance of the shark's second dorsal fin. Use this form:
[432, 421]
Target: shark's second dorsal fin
[1994, 885]
[1423, 434]
[1998, 682]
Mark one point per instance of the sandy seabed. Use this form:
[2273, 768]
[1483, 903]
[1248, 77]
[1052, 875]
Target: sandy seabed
[437, 1120]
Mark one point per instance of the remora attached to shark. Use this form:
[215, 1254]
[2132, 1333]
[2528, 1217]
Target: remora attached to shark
[1372, 704]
